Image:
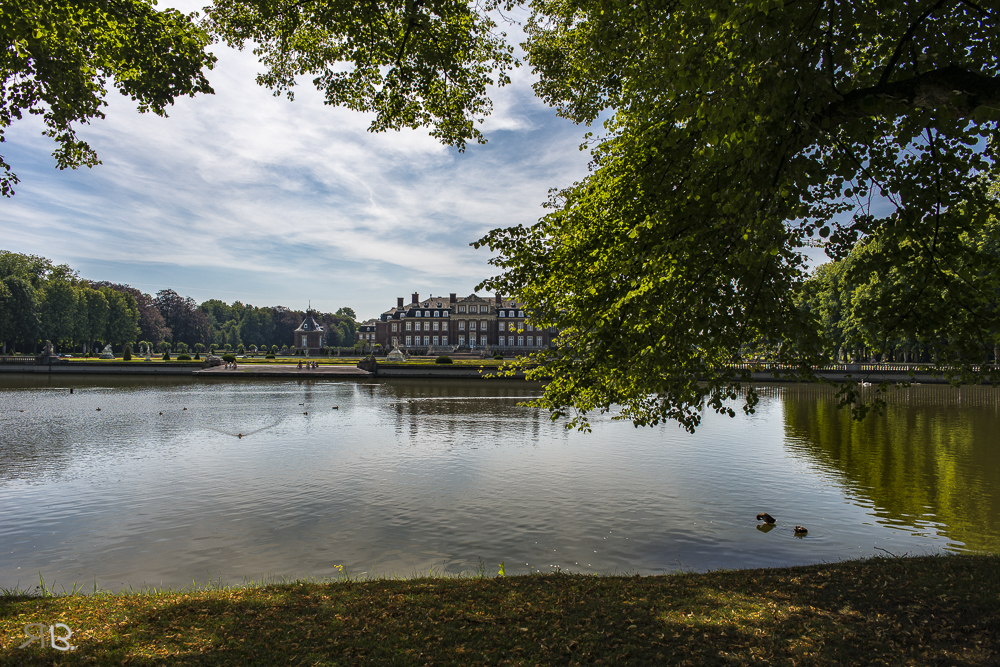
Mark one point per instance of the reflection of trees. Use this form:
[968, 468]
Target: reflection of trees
[933, 456]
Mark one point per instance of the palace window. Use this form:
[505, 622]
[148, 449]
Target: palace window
[461, 325]
[444, 326]
[472, 325]
[503, 313]
[473, 309]
[520, 341]
[408, 341]
[461, 340]
[437, 313]
[394, 326]
[427, 340]
[483, 340]
[435, 340]
[530, 341]
[461, 309]
[520, 313]
[435, 326]
[503, 341]
[409, 326]
[417, 313]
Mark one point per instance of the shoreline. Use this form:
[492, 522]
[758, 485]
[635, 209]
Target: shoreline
[870, 373]
[881, 610]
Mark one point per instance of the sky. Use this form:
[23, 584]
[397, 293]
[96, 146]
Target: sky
[245, 196]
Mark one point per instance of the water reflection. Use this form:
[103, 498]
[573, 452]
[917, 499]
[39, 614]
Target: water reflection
[175, 479]
[930, 460]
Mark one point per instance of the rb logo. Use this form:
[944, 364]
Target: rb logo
[59, 642]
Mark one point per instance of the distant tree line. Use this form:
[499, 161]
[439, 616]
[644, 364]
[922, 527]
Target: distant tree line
[40, 301]
[866, 310]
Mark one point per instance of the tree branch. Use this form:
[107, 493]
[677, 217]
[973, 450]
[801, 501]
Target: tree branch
[952, 88]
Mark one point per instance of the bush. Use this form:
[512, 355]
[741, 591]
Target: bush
[197, 356]
[443, 359]
[228, 358]
[166, 356]
[497, 355]
[274, 349]
[127, 354]
[269, 356]
[183, 357]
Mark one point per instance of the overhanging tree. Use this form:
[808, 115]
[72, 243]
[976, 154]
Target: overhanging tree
[736, 133]
[58, 54]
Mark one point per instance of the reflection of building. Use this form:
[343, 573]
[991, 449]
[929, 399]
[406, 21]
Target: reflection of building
[311, 335]
[471, 322]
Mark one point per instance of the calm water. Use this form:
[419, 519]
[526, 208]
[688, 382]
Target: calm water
[410, 476]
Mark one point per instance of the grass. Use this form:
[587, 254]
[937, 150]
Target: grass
[935, 610]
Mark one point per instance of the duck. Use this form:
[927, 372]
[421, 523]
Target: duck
[765, 517]
[240, 436]
[305, 413]
[799, 530]
[98, 409]
[336, 407]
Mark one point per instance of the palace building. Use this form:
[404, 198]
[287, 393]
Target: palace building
[456, 323]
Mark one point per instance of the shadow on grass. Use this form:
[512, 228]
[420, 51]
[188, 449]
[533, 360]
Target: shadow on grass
[921, 611]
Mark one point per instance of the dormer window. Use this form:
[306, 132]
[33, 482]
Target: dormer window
[418, 313]
[437, 313]
[427, 313]
[503, 313]
[439, 304]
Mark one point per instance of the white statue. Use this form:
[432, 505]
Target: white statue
[107, 353]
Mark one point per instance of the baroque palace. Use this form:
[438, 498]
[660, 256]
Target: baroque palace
[472, 322]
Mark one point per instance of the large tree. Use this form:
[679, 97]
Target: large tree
[737, 134]
[58, 54]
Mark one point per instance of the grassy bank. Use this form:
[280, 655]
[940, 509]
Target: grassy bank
[913, 611]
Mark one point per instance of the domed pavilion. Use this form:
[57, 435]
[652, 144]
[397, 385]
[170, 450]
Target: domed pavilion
[311, 335]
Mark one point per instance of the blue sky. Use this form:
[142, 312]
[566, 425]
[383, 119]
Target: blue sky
[242, 195]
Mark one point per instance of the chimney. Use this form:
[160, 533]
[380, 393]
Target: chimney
[399, 302]
[452, 298]
[499, 300]
[416, 298]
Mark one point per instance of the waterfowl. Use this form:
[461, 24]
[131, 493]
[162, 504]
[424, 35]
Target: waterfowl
[305, 413]
[240, 436]
[161, 413]
[336, 407]
[799, 530]
[98, 409]
[765, 517]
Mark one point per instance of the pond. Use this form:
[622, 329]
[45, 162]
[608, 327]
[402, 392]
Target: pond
[165, 482]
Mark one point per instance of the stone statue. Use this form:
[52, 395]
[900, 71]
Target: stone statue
[107, 353]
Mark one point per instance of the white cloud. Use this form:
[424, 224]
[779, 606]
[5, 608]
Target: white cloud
[242, 183]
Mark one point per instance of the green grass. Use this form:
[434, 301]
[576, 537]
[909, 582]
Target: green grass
[883, 611]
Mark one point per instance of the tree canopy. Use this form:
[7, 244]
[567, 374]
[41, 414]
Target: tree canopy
[57, 56]
[412, 63]
[737, 134]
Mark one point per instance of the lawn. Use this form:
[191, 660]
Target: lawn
[935, 610]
